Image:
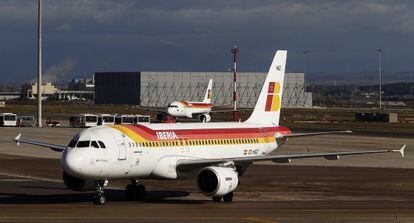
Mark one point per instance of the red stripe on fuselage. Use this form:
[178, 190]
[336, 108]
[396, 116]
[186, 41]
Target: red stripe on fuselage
[219, 133]
[196, 105]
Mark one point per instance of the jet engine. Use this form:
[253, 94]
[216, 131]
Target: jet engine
[77, 184]
[205, 118]
[217, 181]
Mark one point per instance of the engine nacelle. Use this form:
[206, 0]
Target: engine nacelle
[217, 181]
[77, 184]
[205, 118]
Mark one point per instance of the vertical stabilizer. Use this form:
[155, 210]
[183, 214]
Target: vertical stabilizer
[207, 96]
[267, 109]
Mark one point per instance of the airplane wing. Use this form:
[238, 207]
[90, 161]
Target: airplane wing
[53, 147]
[191, 164]
[297, 135]
[154, 109]
[230, 110]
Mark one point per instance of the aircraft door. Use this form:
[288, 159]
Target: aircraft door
[122, 148]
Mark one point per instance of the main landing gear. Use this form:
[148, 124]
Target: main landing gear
[135, 191]
[100, 197]
[226, 198]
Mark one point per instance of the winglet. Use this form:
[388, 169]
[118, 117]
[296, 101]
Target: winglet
[401, 151]
[17, 139]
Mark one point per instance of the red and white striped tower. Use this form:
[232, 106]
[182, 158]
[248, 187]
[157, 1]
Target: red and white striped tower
[234, 51]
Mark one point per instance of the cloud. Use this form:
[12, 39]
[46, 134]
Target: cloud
[197, 35]
[64, 27]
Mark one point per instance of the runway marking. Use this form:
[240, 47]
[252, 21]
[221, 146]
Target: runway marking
[15, 180]
[260, 220]
[30, 177]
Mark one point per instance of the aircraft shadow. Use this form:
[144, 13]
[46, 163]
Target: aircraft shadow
[161, 196]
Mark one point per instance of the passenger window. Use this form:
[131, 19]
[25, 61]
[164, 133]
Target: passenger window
[83, 144]
[94, 144]
[101, 144]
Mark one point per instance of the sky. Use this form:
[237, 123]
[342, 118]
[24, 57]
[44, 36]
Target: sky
[85, 36]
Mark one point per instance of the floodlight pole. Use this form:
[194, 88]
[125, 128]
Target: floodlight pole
[380, 50]
[234, 51]
[306, 69]
[39, 65]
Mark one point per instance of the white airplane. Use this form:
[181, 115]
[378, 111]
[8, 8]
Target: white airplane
[215, 154]
[191, 109]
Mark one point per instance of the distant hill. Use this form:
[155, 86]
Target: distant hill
[360, 78]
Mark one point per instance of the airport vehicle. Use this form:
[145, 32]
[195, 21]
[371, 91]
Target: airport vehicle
[190, 109]
[8, 119]
[138, 119]
[53, 123]
[106, 119]
[83, 120]
[124, 119]
[26, 120]
[215, 154]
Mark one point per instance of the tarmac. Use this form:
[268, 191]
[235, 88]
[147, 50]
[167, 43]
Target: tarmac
[367, 188]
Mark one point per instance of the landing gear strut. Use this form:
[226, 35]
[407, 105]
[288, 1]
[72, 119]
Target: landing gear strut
[100, 197]
[135, 191]
[226, 198]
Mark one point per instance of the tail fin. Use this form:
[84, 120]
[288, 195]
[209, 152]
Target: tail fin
[267, 109]
[207, 96]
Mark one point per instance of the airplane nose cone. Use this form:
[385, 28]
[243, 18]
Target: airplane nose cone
[170, 111]
[73, 162]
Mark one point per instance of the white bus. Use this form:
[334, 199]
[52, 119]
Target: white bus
[124, 119]
[83, 120]
[106, 119]
[142, 119]
[8, 119]
[26, 120]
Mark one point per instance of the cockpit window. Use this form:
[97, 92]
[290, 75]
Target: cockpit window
[102, 144]
[83, 144]
[172, 106]
[72, 143]
[94, 144]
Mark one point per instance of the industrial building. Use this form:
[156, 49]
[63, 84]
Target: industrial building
[117, 88]
[159, 88]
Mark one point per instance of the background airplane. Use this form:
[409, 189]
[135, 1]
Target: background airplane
[190, 109]
[214, 154]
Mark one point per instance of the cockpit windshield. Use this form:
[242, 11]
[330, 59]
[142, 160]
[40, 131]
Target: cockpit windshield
[172, 106]
[83, 144]
[72, 143]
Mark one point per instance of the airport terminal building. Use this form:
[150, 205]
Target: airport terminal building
[159, 88]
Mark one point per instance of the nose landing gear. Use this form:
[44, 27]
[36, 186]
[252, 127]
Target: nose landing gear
[100, 197]
[135, 191]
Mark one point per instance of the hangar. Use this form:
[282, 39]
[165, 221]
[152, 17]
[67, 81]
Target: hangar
[157, 89]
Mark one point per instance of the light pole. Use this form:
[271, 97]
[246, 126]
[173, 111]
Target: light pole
[380, 50]
[306, 69]
[235, 51]
[39, 64]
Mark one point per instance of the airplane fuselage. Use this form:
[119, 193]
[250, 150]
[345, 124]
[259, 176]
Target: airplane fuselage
[152, 150]
[184, 109]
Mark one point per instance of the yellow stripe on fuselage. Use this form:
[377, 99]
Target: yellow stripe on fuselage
[196, 142]
[131, 134]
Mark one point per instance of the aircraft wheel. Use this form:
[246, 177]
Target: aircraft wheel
[99, 199]
[141, 192]
[228, 197]
[217, 199]
[130, 192]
